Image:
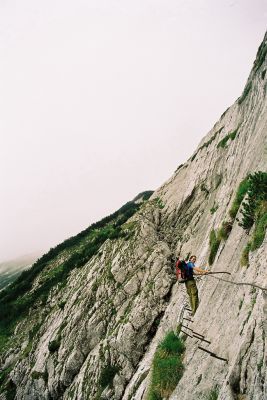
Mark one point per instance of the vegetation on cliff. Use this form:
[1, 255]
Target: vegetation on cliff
[167, 367]
[251, 199]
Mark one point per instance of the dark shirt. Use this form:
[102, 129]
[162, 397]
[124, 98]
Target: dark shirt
[191, 267]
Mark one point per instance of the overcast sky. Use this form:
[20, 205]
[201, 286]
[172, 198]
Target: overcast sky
[103, 99]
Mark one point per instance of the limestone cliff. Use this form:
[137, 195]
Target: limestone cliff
[94, 333]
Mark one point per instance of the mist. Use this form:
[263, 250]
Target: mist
[101, 100]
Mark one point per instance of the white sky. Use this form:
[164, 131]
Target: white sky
[102, 99]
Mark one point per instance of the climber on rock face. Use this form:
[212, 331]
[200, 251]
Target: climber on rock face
[188, 270]
[191, 285]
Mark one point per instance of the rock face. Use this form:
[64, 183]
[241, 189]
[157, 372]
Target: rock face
[95, 337]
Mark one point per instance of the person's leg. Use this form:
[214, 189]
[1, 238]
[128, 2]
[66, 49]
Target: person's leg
[188, 285]
[194, 296]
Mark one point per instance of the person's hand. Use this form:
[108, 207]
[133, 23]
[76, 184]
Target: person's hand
[206, 271]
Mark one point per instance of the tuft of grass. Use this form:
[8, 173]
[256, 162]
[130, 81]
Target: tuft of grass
[240, 194]
[214, 246]
[213, 137]
[160, 203]
[245, 255]
[240, 304]
[225, 230]
[206, 144]
[167, 367]
[214, 208]
[232, 135]
[213, 394]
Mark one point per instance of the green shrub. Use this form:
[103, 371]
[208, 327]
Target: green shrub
[10, 390]
[40, 375]
[54, 345]
[107, 375]
[214, 246]
[245, 92]
[256, 197]
[254, 212]
[167, 367]
[263, 73]
[260, 228]
[240, 194]
[62, 304]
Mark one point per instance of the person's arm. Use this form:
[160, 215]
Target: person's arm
[200, 271]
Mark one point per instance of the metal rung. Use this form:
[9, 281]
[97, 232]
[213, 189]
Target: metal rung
[196, 333]
[187, 319]
[212, 354]
[202, 339]
[186, 333]
[187, 328]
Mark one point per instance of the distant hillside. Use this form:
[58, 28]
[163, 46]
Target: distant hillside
[10, 270]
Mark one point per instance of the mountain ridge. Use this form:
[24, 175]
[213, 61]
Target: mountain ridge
[94, 335]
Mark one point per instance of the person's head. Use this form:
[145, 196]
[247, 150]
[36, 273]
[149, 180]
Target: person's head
[193, 259]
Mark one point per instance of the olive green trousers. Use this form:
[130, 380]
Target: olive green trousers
[192, 291]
